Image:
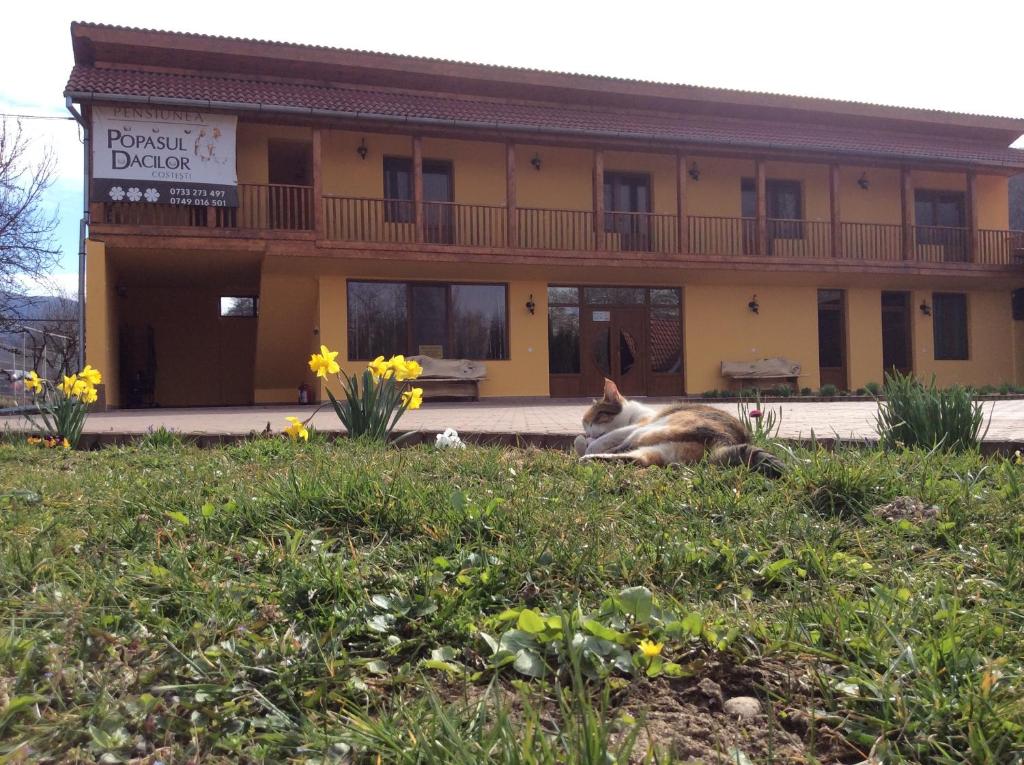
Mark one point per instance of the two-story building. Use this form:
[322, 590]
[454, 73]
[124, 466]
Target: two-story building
[250, 201]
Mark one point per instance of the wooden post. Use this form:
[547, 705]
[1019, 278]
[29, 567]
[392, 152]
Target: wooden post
[907, 207]
[599, 199]
[833, 202]
[417, 188]
[682, 222]
[318, 185]
[760, 184]
[511, 226]
[972, 217]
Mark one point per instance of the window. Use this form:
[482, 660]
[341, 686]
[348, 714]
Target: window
[784, 206]
[398, 190]
[467, 321]
[627, 196]
[242, 307]
[949, 324]
[940, 219]
[290, 163]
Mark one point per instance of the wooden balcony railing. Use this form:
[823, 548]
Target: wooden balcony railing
[872, 241]
[260, 206]
[352, 219]
[539, 229]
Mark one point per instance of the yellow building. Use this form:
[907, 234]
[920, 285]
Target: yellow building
[251, 201]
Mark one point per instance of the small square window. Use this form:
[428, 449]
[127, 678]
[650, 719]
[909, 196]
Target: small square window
[241, 307]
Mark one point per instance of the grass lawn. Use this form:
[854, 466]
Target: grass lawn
[279, 602]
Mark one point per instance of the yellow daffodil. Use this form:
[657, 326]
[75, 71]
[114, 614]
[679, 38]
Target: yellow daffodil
[34, 440]
[33, 383]
[65, 443]
[68, 386]
[379, 368]
[397, 366]
[1018, 459]
[88, 395]
[296, 430]
[413, 399]
[412, 370]
[324, 363]
[90, 375]
[650, 649]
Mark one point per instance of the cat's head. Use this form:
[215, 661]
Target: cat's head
[611, 411]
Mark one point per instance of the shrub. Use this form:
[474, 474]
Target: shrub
[1006, 388]
[782, 390]
[828, 389]
[987, 390]
[873, 388]
[709, 394]
[62, 407]
[806, 392]
[915, 414]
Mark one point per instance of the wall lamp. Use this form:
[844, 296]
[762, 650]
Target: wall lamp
[362, 149]
[535, 161]
[863, 181]
[694, 171]
[530, 305]
[753, 305]
[926, 309]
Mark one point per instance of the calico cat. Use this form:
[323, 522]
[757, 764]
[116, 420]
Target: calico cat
[622, 430]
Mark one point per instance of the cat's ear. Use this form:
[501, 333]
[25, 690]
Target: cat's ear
[611, 392]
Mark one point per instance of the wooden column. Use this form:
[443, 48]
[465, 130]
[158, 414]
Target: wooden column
[833, 206]
[318, 185]
[907, 207]
[511, 225]
[972, 217]
[761, 201]
[417, 187]
[682, 221]
[599, 199]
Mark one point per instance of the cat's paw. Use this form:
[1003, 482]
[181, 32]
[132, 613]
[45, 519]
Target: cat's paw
[580, 445]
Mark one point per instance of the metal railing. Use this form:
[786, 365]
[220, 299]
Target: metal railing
[872, 241]
[541, 229]
[941, 244]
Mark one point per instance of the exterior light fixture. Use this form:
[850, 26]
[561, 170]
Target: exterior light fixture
[362, 150]
[925, 308]
[530, 305]
[536, 164]
[753, 305]
[863, 181]
[694, 171]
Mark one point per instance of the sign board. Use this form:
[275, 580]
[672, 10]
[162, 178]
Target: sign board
[601, 316]
[163, 155]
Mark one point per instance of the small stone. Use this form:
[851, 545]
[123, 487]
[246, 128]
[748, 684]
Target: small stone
[743, 706]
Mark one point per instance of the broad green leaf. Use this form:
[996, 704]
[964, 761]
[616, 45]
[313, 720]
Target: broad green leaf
[208, 510]
[637, 602]
[443, 653]
[693, 624]
[381, 623]
[516, 640]
[530, 621]
[377, 667]
[174, 515]
[444, 666]
[606, 633]
[529, 663]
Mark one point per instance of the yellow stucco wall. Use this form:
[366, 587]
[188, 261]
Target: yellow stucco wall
[719, 327]
[251, 147]
[863, 336]
[101, 319]
[285, 335]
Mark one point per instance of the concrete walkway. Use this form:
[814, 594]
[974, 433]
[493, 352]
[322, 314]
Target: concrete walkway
[543, 422]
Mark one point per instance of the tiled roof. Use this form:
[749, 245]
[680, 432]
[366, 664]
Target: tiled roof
[470, 111]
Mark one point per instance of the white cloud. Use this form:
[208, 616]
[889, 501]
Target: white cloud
[58, 283]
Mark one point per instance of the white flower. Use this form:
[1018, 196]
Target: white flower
[134, 195]
[116, 193]
[152, 195]
[449, 440]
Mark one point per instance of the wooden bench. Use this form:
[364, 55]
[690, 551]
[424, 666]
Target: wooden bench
[762, 374]
[449, 388]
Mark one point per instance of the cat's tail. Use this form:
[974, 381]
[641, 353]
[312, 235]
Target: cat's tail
[754, 457]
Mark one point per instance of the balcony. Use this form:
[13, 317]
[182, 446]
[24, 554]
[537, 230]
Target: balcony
[278, 208]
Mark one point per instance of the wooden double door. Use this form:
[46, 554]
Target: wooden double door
[613, 345]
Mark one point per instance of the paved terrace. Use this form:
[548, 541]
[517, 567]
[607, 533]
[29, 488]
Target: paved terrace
[541, 422]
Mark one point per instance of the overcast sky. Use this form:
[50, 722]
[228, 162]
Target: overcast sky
[958, 56]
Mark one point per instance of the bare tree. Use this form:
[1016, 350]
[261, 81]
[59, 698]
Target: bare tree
[27, 245]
